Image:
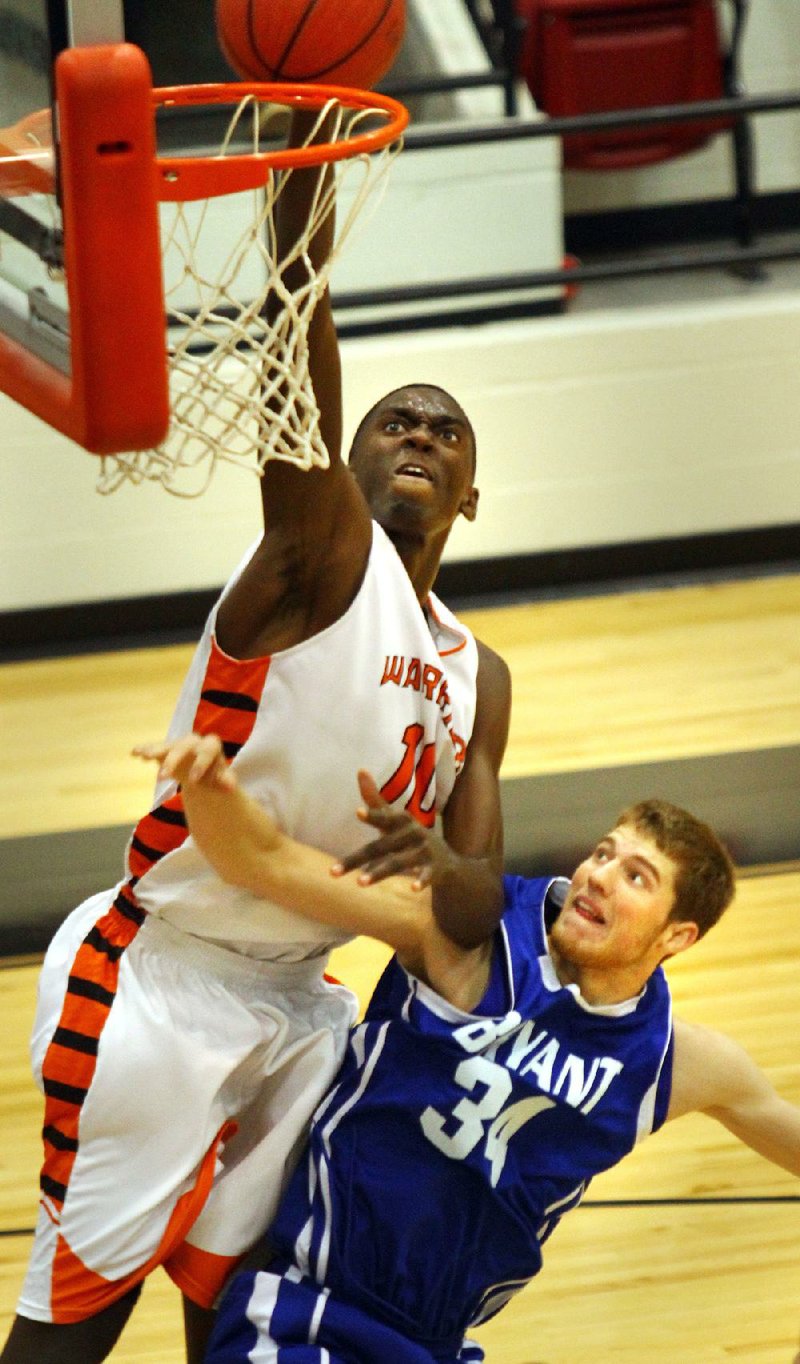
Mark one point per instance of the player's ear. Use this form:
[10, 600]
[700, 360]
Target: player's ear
[679, 936]
[469, 507]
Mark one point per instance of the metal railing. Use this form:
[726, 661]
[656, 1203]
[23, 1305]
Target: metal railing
[745, 258]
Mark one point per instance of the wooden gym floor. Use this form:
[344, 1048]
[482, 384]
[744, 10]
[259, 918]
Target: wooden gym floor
[688, 1252]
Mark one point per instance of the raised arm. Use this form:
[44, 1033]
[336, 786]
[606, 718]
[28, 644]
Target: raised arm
[317, 525]
[714, 1075]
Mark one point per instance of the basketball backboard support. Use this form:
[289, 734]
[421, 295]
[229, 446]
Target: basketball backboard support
[82, 333]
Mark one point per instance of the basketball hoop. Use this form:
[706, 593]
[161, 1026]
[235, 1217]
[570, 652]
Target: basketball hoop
[68, 330]
[240, 388]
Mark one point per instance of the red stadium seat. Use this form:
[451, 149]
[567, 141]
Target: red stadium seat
[597, 56]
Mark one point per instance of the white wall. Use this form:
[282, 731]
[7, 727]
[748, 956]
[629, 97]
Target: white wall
[613, 425]
[456, 214]
[595, 427]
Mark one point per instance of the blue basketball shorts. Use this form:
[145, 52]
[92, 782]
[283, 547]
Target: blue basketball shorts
[268, 1318]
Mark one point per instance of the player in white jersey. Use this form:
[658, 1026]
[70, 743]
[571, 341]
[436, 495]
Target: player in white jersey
[185, 1031]
[400, 693]
[486, 1086]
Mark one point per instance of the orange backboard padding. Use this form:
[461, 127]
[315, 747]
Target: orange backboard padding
[116, 398]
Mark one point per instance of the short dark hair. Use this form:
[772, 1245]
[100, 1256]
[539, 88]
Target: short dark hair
[436, 388]
[705, 876]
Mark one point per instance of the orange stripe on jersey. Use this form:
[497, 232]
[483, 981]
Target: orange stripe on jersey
[229, 701]
[200, 1274]
[79, 1292]
[462, 641]
[159, 832]
[228, 705]
[71, 1057]
[230, 697]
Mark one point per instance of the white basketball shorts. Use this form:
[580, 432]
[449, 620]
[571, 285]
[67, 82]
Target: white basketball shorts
[179, 1078]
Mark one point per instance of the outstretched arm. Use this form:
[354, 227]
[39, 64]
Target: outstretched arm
[244, 845]
[317, 527]
[302, 190]
[714, 1075]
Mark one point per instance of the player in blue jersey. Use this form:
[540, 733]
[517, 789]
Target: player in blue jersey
[486, 1086]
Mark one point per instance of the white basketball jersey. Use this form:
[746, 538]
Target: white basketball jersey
[381, 689]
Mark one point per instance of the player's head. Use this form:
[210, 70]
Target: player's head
[446, 402]
[705, 877]
[413, 455]
[651, 887]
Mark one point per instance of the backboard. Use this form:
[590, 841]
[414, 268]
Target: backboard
[81, 303]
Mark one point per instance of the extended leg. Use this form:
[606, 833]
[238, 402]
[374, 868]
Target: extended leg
[198, 1323]
[81, 1342]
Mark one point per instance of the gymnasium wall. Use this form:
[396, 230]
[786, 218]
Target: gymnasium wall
[620, 425]
[596, 426]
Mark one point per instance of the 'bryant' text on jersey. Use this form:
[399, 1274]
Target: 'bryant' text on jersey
[428, 679]
[511, 1044]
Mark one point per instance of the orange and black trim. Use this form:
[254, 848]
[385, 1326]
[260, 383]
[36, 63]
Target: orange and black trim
[159, 832]
[230, 698]
[71, 1058]
[228, 707]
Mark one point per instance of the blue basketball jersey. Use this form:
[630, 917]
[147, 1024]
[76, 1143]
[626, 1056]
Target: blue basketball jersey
[453, 1143]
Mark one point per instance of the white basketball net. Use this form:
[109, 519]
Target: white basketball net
[240, 389]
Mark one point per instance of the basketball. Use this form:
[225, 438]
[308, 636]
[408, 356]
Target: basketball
[333, 42]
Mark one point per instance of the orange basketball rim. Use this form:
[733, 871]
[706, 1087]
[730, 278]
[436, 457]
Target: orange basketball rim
[115, 397]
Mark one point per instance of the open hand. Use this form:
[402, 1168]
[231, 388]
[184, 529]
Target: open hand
[191, 760]
[404, 848]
